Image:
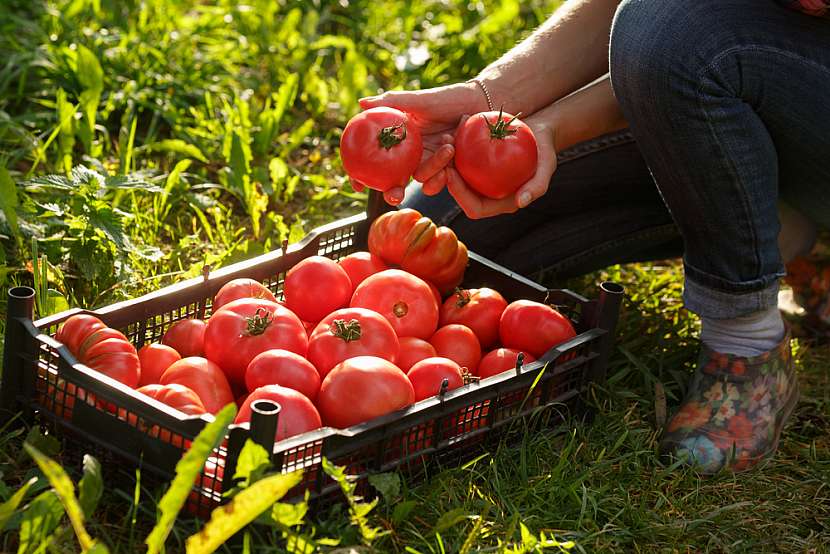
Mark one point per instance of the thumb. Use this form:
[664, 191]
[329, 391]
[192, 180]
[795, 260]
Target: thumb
[403, 100]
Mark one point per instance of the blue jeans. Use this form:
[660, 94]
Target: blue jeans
[727, 101]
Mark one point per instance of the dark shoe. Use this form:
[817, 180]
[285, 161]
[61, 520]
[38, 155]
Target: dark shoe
[734, 411]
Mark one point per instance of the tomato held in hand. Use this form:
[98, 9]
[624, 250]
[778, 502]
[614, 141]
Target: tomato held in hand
[315, 287]
[363, 388]
[427, 376]
[247, 327]
[405, 238]
[297, 413]
[458, 343]
[176, 396]
[284, 368]
[360, 265]
[500, 360]
[534, 328]
[381, 148]
[203, 377]
[155, 359]
[412, 350]
[348, 333]
[478, 309]
[187, 337]
[241, 288]
[403, 299]
[495, 153]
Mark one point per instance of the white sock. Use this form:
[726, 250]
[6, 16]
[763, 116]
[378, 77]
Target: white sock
[744, 336]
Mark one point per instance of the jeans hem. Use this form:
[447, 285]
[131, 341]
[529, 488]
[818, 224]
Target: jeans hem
[717, 304]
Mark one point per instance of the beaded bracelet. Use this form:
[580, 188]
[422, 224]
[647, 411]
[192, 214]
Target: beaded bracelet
[485, 91]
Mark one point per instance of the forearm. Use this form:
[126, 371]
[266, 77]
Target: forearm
[565, 53]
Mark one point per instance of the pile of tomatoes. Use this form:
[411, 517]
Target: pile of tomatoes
[352, 340]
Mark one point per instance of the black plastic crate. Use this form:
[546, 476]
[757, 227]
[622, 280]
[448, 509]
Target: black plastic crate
[42, 379]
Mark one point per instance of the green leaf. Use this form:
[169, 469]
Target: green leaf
[65, 490]
[176, 146]
[66, 122]
[297, 137]
[8, 507]
[91, 485]
[109, 222]
[450, 519]
[252, 463]
[8, 201]
[39, 520]
[402, 511]
[278, 172]
[88, 70]
[47, 444]
[289, 515]
[241, 510]
[187, 470]
[388, 484]
[357, 510]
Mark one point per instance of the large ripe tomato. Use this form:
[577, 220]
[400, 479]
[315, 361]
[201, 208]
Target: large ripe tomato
[500, 360]
[348, 333]
[403, 299]
[101, 348]
[203, 377]
[176, 396]
[478, 309]
[495, 153]
[247, 327]
[241, 288]
[411, 351]
[155, 359]
[534, 328]
[297, 413]
[281, 367]
[187, 337]
[381, 147]
[404, 238]
[427, 376]
[360, 265]
[458, 343]
[315, 287]
[363, 388]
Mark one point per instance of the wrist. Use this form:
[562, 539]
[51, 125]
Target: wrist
[478, 95]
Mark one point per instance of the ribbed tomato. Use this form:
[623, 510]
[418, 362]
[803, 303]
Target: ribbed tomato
[428, 375]
[187, 337]
[284, 368]
[76, 329]
[414, 243]
[458, 343]
[403, 299]
[500, 360]
[360, 265]
[348, 333]
[155, 359]
[101, 348]
[363, 388]
[533, 327]
[203, 377]
[478, 309]
[411, 351]
[297, 413]
[241, 288]
[176, 396]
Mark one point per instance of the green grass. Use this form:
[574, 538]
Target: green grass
[226, 119]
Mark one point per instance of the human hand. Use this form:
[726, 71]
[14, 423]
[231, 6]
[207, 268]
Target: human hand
[476, 206]
[436, 112]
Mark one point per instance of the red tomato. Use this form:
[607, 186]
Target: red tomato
[187, 337]
[534, 328]
[281, 367]
[203, 377]
[381, 148]
[458, 343]
[247, 327]
[76, 329]
[155, 358]
[478, 309]
[360, 265]
[411, 351]
[500, 360]
[436, 294]
[297, 413]
[403, 299]
[495, 153]
[176, 396]
[427, 375]
[363, 388]
[348, 333]
[96, 337]
[240, 400]
[309, 327]
[241, 288]
[315, 287]
[407, 239]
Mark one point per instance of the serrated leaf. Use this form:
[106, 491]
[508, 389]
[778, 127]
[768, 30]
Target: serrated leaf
[241, 510]
[252, 463]
[388, 484]
[41, 517]
[104, 218]
[65, 490]
[8, 508]
[187, 470]
[130, 182]
[177, 146]
[91, 485]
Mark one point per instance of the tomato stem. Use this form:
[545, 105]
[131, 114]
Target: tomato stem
[400, 309]
[464, 297]
[501, 129]
[346, 330]
[389, 136]
[258, 323]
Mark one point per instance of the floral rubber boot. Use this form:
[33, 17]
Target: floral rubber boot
[734, 410]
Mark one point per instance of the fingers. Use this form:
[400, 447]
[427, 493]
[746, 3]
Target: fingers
[434, 184]
[474, 205]
[434, 164]
[401, 99]
[394, 196]
[538, 185]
